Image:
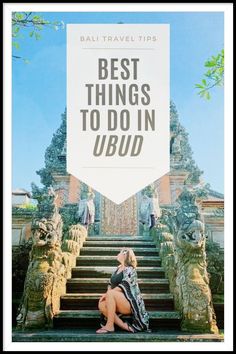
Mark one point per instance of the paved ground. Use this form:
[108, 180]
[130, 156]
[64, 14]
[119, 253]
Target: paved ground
[79, 335]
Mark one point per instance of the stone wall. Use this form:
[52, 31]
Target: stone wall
[21, 221]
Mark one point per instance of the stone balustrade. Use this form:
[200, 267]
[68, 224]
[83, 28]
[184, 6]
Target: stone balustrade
[182, 243]
[50, 264]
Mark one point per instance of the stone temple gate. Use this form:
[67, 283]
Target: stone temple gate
[110, 218]
[65, 265]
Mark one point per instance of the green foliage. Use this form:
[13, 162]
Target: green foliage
[15, 45]
[215, 266]
[28, 206]
[214, 75]
[38, 193]
[31, 24]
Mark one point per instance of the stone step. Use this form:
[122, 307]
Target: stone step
[91, 319]
[98, 285]
[105, 272]
[119, 244]
[119, 238]
[89, 301]
[89, 335]
[139, 251]
[112, 261]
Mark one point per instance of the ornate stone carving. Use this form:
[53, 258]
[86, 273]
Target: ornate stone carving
[76, 235]
[192, 279]
[71, 246]
[45, 278]
[176, 148]
[169, 263]
[54, 161]
[182, 250]
[219, 212]
[48, 269]
[180, 149]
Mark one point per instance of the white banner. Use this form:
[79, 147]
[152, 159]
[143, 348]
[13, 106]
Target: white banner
[118, 106]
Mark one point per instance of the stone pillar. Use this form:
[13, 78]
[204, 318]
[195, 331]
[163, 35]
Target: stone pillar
[177, 179]
[68, 189]
[74, 190]
[164, 192]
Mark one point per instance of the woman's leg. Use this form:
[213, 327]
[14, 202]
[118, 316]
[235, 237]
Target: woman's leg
[117, 320]
[116, 302]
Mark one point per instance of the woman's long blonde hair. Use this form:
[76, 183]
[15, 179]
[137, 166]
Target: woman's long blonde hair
[130, 259]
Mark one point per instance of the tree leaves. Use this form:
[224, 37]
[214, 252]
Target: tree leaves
[37, 35]
[24, 21]
[15, 44]
[19, 16]
[205, 94]
[214, 75]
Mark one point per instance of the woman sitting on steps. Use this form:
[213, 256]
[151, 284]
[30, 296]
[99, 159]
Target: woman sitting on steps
[123, 297]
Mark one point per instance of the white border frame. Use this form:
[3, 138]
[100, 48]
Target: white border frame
[227, 345]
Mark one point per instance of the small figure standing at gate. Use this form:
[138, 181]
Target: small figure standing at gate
[149, 210]
[86, 210]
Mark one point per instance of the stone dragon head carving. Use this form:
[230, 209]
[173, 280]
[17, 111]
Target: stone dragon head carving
[191, 237]
[44, 233]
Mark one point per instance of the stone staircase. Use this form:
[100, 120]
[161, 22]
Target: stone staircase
[79, 318]
[97, 260]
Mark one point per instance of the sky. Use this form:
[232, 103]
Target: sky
[39, 88]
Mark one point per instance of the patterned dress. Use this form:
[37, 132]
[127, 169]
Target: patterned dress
[130, 288]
